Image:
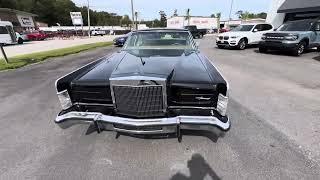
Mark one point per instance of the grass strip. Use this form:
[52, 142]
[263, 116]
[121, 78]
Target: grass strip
[23, 60]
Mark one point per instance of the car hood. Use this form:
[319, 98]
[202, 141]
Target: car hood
[177, 66]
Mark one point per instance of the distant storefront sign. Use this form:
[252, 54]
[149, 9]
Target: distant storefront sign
[25, 21]
[76, 18]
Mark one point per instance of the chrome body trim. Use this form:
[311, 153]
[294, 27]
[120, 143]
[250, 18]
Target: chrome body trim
[167, 125]
[228, 86]
[192, 107]
[93, 104]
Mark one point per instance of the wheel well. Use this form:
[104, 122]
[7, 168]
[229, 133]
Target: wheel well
[306, 40]
[246, 39]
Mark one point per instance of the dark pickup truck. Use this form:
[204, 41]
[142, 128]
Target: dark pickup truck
[196, 33]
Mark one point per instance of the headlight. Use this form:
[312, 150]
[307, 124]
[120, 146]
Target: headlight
[222, 104]
[264, 37]
[121, 39]
[64, 99]
[291, 37]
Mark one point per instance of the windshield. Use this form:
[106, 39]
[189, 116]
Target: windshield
[296, 26]
[179, 40]
[243, 28]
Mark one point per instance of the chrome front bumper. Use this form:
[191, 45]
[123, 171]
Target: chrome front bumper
[142, 126]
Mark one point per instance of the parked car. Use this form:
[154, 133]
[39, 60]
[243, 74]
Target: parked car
[36, 35]
[21, 38]
[7, 34]
[98, 32]
[243, 35]
[120, 41]
[294, 36]
[223, 30]
[196, 33]
[159, 83]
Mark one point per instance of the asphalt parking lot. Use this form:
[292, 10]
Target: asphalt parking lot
[275, 126]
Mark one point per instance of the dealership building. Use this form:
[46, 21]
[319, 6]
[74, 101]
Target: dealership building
[21, 20]
[288, 10]
[201, 22]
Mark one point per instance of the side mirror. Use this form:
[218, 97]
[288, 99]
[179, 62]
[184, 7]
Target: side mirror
[255, 30]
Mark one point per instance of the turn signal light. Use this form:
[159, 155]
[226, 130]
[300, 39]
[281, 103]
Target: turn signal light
[222, 104]
[64, 99]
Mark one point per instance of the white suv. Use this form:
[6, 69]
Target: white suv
[243, 35]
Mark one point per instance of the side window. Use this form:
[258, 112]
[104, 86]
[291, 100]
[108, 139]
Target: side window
[317, 26]
[3, 30]
[267, 27]
[259, 27]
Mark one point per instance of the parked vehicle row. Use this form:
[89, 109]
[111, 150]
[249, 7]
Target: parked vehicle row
[293, 36]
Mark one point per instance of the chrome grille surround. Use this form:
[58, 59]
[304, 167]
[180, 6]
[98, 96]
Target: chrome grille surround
[139, 96]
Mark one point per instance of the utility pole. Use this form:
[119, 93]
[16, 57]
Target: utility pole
[132, 11]
[231, 7]
[89, 33]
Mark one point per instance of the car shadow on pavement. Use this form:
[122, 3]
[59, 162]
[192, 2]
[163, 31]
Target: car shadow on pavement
[284, 53]
[213, 136]
[199, 170]
[317, 58]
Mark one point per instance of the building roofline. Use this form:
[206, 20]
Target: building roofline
[17, 12]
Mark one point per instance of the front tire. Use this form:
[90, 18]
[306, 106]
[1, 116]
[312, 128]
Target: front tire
[20, 41]
[299, 50]
[242, 44]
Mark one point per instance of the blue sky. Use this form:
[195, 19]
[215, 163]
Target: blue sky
[148, 9]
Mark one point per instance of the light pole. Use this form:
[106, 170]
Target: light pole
[231, 6]
[132, 11]
[89, 33]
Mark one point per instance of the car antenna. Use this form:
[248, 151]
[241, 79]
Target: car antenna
[142, 61]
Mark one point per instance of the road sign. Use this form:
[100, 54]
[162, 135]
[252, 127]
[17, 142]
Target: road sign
[76, 18]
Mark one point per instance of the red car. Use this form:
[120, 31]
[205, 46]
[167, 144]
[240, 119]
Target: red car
[36, 35]
[223, 30]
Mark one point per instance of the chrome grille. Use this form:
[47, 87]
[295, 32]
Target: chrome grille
[139, 101]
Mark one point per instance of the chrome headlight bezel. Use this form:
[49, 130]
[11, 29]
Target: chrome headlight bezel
[64, 99]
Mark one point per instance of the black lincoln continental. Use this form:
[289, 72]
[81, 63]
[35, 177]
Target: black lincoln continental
[159, 83]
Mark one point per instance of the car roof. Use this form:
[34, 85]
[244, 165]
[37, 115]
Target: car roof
[161, 29]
